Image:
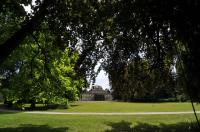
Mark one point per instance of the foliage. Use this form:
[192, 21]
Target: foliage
[115, 33]
[134, 81]
[34, 73]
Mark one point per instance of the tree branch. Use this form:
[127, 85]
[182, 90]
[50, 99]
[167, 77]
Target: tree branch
[14, 41]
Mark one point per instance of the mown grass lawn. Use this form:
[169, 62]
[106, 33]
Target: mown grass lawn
[76, 123]
[110, 106]
[26, 122]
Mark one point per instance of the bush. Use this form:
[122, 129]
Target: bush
[61, 101]
[18, 106]
[182, 98]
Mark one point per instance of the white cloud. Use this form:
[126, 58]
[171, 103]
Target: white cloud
[102, 80]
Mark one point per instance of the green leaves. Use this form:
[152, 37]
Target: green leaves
[70, 35]
[41, 72]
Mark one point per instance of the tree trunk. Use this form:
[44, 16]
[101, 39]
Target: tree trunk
[14, 41]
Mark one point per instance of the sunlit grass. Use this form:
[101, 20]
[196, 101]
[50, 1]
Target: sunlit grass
[110, 106]
[114, 106]
[20, 121]
[84, 123]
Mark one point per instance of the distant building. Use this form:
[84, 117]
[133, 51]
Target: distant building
[96, 94]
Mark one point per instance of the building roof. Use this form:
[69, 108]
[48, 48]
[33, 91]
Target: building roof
[97, 90]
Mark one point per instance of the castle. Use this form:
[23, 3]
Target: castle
[97, 93]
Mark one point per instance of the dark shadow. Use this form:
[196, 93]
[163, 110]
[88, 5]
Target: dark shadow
[45, 107]
[2, 106]
[74, 105]
[7, 110]
[99, 97]
[34, 128]
[179, 127]
[124, 126]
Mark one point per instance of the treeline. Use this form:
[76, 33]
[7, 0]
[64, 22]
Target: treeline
[46, 55]
[136, 81]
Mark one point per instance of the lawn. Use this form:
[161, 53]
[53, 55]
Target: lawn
[20, 122]
[76, 123]
[110, 106]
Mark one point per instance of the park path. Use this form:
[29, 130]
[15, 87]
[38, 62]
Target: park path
[113, 113]
[101, 113]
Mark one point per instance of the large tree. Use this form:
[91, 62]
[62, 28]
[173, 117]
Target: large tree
[35, 73]
[117, 31]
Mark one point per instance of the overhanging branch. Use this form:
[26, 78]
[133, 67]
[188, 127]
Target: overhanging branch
[14, 41]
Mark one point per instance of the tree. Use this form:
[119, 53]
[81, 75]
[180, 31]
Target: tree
[134, 82]
[34, 73]
[109, 30]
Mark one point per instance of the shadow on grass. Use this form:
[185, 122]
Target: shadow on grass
[74, 105]
[6, 110]
[124, 126]
[50, 107]
[45, 107]
[34, 128]
[41, 107]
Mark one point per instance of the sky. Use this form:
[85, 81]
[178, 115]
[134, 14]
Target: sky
[102, 80]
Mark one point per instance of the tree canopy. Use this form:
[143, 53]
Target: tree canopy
[117, 33]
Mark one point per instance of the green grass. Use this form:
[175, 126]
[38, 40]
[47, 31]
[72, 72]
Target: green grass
[26, 122]
[76, 123]
[108, 106]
